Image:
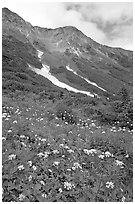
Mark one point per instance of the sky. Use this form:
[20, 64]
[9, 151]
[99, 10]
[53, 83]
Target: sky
[109, 23]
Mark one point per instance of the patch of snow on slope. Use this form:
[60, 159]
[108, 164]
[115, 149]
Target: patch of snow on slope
[40, 53]
[92, 83]
[44, 71]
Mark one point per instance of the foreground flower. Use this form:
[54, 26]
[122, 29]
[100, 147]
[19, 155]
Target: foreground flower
[101, 156]
[12, 156]
[109, 184]
[21, 167]
[108, 154]
[21, 197]
[60, 190]
[56, 163]
[119, 163]
[76, 165]
[44, 195]
[91, 151]
[68, 185]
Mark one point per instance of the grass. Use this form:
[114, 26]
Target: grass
[47, 159]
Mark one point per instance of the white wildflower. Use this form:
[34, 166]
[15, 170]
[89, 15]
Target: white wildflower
[101, 156]
[76, 165]
[30, 163]
[15, 121]
[9, 131]
[108, 154]
[119, 163]
[34, 167]
[91, 151]
[109, 184]
[70, 151]
[44, 195]
[22, 136]
[21, 197]
[56, 163]
[46, 154]
[123, 199]
[42, 182]
[127, 156]
[55, 151]
[68, 185]
[68, 169]
[21, 167]
[30, 178]
[43, 140]
[40, 154]
[12, 156]
[60, 190]
[4, 115]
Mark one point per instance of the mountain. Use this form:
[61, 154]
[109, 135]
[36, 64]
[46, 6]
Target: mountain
[41, 58]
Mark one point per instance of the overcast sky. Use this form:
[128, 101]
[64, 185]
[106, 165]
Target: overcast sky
[107, 23]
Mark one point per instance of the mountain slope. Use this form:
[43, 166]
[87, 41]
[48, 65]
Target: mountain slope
[72, 57]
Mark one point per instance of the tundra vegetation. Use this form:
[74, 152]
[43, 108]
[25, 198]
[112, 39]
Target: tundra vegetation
[66, 147]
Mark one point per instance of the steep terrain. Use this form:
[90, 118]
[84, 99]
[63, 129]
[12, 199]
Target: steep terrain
[73, 58]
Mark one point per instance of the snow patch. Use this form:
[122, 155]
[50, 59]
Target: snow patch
[44, 71]
[40, 53]
[92, 83]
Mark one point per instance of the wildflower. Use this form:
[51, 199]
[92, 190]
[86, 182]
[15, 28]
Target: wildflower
[40, 154]
[70, 151]
[15, 121]
[7, 119]
[108, 154]
[22, 136]
[56, 163]
[44, 195]
[93, 124]
[21, 197]
[42, 182]
[21, 167]
[12, 156]
[30, 163]
[123, 199]
[127, 156]
[68, 185]
[9, 131]
[55, 151]
[101, 156]
[30, 178]
[34, 168]
[4, 115]
[60, 190]
[68, 169]
[119, 163]
[76, 165]
[43, 140]
[109, 184]
[103, 132]
[91, 151]
[46, 154]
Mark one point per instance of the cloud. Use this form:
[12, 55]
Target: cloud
[106, 23]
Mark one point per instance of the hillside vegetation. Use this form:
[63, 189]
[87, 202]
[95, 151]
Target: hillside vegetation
[61, 146]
